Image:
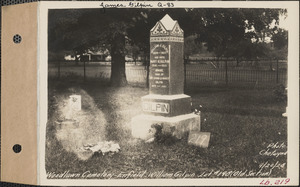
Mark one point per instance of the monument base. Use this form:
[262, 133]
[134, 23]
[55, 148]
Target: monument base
[142, 125]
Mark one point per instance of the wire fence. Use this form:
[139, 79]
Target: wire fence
[263, 73]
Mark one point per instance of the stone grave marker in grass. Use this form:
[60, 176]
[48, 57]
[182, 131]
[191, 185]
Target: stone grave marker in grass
[74, 106]
[166, 103]
[200, 139]
[75, 102]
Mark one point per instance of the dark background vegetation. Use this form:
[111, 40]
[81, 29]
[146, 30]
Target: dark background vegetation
[221, 31]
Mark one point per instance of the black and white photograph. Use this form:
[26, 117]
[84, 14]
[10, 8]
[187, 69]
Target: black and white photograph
[136, 91]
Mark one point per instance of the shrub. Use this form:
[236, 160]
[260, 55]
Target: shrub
[162, 138]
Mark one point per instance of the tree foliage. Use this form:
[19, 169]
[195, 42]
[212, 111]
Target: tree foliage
[280, 38]
[226, 32]
[230, 32]
[191, 46]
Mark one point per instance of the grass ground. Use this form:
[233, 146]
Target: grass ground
[244, 124]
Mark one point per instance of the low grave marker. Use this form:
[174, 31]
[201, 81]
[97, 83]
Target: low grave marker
[200, 139]
[74, 106]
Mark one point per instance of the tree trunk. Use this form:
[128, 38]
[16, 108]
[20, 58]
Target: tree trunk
[118, 75]
[84, 76]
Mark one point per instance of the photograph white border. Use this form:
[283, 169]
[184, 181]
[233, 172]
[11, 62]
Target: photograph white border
[293, 93]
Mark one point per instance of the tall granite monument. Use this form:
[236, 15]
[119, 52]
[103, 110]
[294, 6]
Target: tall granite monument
[166, 104]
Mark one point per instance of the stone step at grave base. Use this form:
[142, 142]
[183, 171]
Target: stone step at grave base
[142, 126]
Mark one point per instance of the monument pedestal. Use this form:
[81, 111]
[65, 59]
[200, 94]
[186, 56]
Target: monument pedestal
[178, 126]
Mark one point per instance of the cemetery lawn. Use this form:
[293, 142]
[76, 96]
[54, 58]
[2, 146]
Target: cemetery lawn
[242, 123]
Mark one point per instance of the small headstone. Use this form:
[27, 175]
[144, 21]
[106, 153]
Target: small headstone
[74, 106]
[75, 102]
[286, 109]
[200, 139]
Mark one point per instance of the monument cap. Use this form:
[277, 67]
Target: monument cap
[166, 27]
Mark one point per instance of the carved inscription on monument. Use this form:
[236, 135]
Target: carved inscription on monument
[156, 107]
[159, 68]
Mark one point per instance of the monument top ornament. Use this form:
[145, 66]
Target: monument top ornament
[166, 27]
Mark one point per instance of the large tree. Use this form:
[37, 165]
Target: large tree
[81, 29]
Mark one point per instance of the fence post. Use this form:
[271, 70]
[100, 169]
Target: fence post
[58, 69]
[184, 69]
[226, 71]
[148, 72]
[271, 64]
[84, 70]
[277, 71]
